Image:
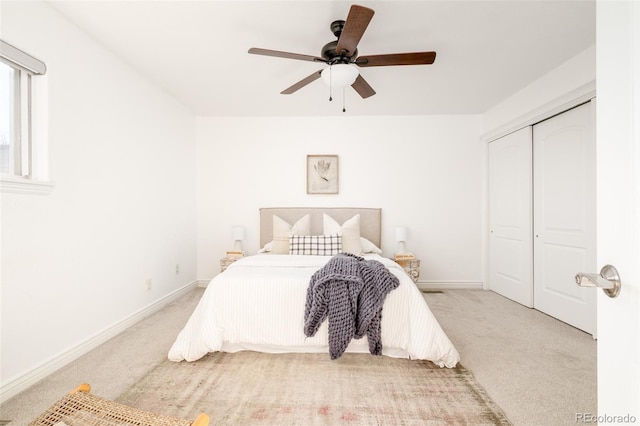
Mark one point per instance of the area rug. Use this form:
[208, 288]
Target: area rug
[250, 388]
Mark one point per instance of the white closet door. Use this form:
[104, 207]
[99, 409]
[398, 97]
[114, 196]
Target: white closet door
[510, 245]
[564, 215]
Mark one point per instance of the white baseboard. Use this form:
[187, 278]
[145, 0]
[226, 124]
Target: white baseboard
[449, 285]
[203, 283]
[17, 385]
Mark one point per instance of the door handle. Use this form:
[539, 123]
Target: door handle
[608, 280]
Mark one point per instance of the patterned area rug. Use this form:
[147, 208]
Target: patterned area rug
[248, 388]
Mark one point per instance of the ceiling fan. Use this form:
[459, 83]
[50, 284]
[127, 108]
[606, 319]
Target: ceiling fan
[342, 56]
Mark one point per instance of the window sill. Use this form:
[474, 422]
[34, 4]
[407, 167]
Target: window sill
[19, 185]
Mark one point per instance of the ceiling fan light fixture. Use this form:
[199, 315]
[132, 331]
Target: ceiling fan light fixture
[340, 75]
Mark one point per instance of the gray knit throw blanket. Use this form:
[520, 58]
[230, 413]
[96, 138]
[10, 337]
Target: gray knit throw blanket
[350, 292]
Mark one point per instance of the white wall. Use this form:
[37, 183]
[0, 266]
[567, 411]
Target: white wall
[424, 172]
[74, 263]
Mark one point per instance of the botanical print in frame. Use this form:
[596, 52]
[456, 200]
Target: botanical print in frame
[322, 174]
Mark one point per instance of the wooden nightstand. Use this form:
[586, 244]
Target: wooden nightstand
[412, 266]
[228, 260]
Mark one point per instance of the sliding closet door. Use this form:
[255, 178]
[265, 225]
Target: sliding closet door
[510, 245]
[564, 215]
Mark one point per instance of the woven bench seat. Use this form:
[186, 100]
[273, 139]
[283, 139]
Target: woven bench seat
[79, 408]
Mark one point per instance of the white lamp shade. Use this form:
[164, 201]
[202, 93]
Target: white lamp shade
[340, 75]
[401, 237]
[401, 234]
[238, 233]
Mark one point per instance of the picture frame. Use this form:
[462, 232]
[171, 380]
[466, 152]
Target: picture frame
[322, 174]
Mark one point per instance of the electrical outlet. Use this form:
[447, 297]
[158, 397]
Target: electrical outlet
[177, 268]
[147, 283]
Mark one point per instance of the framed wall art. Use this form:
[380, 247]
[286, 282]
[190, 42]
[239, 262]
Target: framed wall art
[322, 174]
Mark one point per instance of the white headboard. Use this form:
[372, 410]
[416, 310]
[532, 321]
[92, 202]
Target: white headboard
[370, 220]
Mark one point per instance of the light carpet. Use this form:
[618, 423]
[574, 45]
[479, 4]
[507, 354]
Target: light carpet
[283, 389]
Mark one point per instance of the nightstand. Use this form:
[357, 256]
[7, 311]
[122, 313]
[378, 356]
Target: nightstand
[226, 261]
[412, 266]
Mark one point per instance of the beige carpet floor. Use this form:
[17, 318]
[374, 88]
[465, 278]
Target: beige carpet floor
[249, 388]
[537, 369]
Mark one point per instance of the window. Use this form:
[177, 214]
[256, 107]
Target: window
[14, 138]
[23, 150]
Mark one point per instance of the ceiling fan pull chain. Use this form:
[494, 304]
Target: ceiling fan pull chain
[344, 109]
[330, 85]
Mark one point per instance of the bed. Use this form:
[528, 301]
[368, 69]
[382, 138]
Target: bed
[258, 302]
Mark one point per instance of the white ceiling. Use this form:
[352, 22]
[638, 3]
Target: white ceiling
[197, 51]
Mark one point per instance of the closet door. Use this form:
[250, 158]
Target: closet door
[510, 245]
[564, 215]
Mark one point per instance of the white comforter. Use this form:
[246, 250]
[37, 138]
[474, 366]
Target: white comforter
[258, 304]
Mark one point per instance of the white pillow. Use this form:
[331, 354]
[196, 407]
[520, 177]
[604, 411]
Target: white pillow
[369, 247]
[267, 248]
[282, 231]
[350, 231]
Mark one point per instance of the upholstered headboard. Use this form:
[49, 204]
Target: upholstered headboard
[370, 220]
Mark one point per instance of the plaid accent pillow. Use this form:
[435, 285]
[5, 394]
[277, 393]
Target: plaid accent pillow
[322, 245]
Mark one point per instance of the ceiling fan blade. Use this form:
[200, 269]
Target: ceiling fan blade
[288, 55]
[299, 85]
[354, 27]
[416, 58]
[362, 87]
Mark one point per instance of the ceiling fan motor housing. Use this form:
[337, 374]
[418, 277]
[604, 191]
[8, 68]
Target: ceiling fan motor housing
[329, 53]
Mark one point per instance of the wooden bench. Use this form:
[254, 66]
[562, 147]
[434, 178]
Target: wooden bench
[80, 408]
